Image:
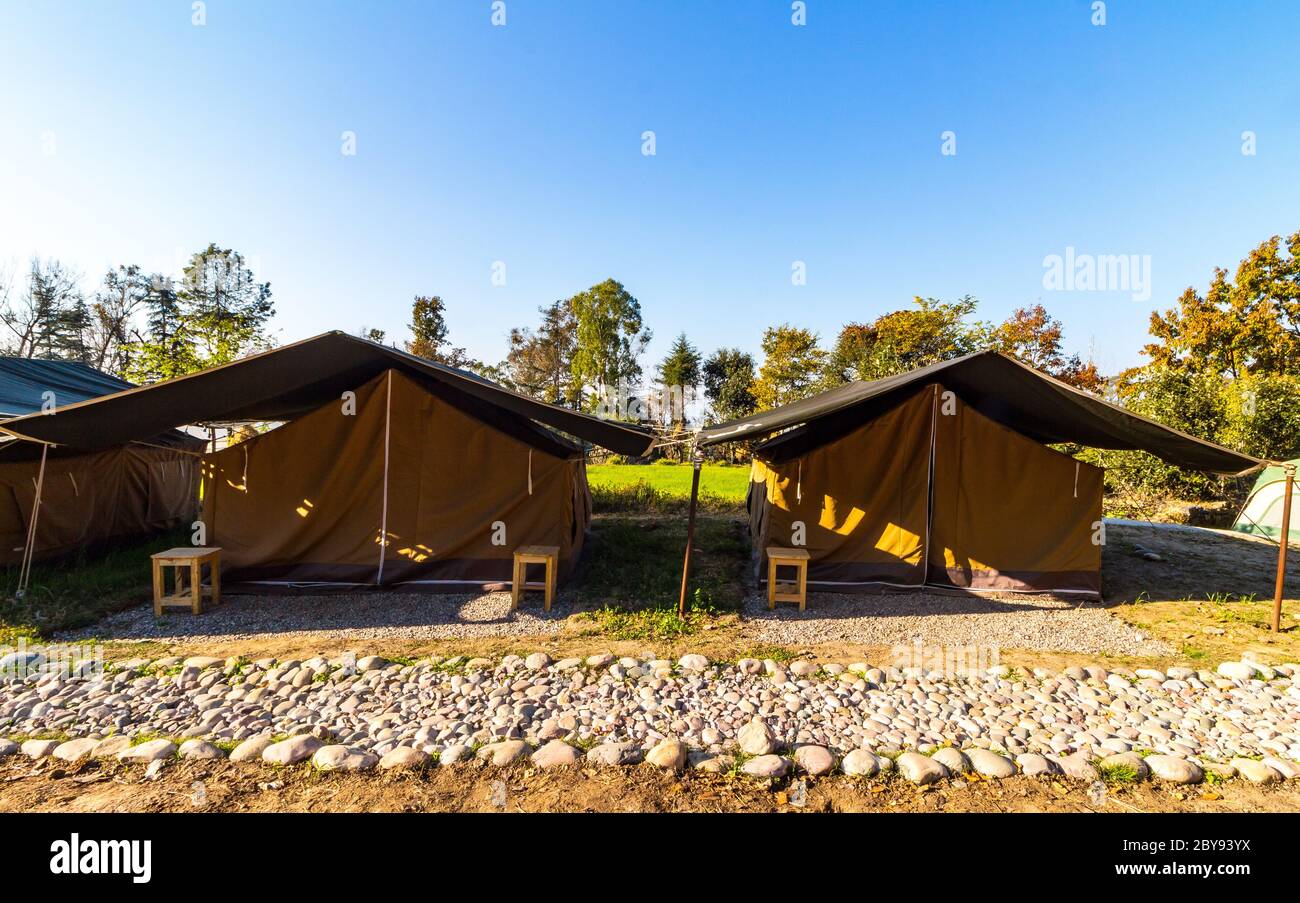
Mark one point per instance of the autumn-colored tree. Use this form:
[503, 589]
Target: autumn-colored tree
[1248, 325]
[1033, 336]
[792, 362]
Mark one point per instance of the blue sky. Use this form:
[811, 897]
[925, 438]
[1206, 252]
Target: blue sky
[774, 143]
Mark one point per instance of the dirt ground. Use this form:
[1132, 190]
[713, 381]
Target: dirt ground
[475, 787]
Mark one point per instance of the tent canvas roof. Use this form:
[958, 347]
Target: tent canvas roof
[289, 381]
[999, 387]
[24, 382]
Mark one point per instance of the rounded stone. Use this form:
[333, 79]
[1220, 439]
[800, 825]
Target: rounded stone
[150, 751]
[556, 753]
[814, 760]
[990, 764]
[952, 759]
[403, 757]
[251, 749]
[669, 754]
[201, 749]
[291, 751]
[920, 769]
[861, 762]
[766, 766]
[73, 750]
[1175, 770]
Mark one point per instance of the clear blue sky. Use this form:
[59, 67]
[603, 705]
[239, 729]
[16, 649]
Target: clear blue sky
[775, 143]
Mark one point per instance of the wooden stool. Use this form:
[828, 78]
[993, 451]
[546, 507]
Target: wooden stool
[526, 555]
[787, 592]
[179, 559]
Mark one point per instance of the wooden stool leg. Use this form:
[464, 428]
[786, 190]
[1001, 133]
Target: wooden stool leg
[516, 585]
[215, 567]
[803, 585]
[157, 589]
[196, 588]
[771, 583]
[550, 582]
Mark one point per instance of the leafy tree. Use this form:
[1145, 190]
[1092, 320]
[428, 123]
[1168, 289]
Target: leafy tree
[166, 350]
[728, 384]
[610, 338]
[372, 334]
[728, 377]
[429, 334]
[1248, 325]
[540, 362]
[224, 308]
[904, 340]
[792, 362]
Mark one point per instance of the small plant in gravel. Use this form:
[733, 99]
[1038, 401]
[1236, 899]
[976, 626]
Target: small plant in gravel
[1117, 773]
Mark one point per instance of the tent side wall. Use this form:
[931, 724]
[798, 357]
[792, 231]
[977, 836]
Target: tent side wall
[1010, 514]
[990, 510]
[450, 495]
[858, 504]
[92, 499]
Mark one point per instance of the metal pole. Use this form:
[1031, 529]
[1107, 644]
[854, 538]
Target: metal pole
[697, 459]
[1282, 547]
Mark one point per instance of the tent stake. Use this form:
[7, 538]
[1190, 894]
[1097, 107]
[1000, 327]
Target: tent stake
[1282, 544]
[697, 458]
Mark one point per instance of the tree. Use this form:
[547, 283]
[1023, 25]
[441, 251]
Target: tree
[904, 340]
[429, 334]
[1031, 335]
[1248, 325]
[123, 292]
[728, 384]
[728, 377]
[610, 339]
[166, 350]
[52, 319]
[371, 334]
[224, 308]
[791, 364]
[679, 374]
[540, 362]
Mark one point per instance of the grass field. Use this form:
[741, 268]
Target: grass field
[723, 481]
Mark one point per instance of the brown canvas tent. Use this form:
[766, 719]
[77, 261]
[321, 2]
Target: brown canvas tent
[87, 498]
[388, 470]
[942, 477]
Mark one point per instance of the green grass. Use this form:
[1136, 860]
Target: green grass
[666, 487]
[635, 564]
[78, 590]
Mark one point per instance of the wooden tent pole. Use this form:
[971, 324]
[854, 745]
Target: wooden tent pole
[1282, 547]
[697, 458]
[29, 551]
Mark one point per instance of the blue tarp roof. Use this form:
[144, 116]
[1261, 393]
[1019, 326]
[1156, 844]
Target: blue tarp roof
[24, 382]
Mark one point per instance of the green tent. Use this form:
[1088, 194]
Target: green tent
[1262, 513]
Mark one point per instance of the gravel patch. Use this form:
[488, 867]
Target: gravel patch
[941, 619]
[343, 615]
